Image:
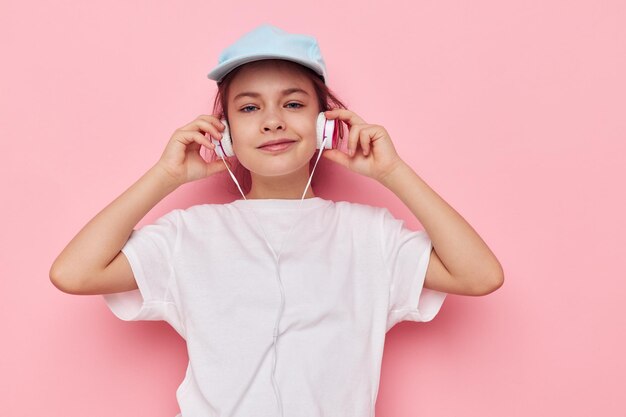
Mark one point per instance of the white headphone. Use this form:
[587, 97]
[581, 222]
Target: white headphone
[324, 128]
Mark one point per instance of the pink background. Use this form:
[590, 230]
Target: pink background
[513, 111]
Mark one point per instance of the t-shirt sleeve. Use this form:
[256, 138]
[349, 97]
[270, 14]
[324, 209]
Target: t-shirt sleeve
[150, 251]
[407, 254]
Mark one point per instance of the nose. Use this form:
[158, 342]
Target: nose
[273, 122]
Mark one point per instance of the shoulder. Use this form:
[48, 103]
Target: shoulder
[200, 209]
[197, 213]
[348, 205]
[361, 211]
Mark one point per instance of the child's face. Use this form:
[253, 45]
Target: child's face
[254, 120]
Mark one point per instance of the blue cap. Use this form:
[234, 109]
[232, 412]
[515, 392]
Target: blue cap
[269, 42]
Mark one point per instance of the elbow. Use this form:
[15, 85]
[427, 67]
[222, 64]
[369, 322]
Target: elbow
[62, 281]
[488, 285]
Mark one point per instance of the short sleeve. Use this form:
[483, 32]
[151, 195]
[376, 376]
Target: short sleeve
[407, 254]
[150, 252]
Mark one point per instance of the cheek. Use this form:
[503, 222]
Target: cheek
[238, 134]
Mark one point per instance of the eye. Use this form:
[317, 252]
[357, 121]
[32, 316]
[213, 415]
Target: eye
[298, 105]
[243, 109]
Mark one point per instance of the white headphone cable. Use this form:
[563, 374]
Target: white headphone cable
[277, 260]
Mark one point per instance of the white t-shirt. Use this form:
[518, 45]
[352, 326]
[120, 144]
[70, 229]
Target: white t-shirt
[349, 273]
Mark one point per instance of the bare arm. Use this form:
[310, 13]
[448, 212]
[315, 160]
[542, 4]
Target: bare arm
[99, 242]
[92, 263]
[461, 262]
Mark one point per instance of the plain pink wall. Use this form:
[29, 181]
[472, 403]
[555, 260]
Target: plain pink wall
[512, 111]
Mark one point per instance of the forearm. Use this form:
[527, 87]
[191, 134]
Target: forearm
[100, 240]
[463, 252]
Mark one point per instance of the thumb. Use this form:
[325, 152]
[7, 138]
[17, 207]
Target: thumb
[218, 165]
[337, 156]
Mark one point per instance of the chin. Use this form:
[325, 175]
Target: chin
[276, 166]
[275, 170]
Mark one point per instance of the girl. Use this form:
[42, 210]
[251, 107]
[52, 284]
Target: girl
[283, 298]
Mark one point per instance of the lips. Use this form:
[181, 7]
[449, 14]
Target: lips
[276, 142]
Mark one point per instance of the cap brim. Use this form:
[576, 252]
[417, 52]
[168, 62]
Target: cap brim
[223, 69]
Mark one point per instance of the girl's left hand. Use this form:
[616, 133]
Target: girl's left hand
[373, 153]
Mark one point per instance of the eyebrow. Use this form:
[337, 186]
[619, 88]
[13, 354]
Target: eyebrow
[285, 92]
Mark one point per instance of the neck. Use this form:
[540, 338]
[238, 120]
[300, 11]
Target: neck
[286, 187]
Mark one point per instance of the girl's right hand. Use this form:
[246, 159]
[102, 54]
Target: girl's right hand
[181, 158]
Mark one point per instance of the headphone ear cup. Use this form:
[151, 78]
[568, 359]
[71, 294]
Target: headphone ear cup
[224, 147]
[326, 128]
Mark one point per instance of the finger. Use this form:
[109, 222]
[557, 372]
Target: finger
[353, 139]
[206, 127]
[367, 136]
[364, 139]
[189, 136]
[345, 115]
[213, 120]
[200, 120]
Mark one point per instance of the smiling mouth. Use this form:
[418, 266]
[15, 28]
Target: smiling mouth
[277, 143]
[277, 146]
